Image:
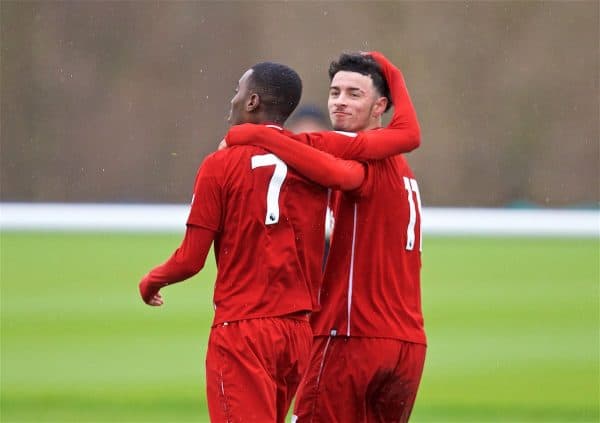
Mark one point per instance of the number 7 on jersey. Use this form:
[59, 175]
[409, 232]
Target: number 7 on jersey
[275, 183]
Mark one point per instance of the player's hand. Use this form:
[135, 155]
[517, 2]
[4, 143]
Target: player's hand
[156, 300]
[150, 294]
[383, 61]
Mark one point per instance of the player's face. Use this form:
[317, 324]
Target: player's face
[354, 104]
[237, 112]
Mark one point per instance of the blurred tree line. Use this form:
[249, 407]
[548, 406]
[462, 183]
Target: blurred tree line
[119, 101]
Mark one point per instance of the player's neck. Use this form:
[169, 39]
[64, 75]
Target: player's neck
[275, 122]
[373, 124]
[262, 119]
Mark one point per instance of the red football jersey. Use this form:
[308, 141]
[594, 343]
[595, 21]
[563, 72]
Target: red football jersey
[371, 285]
[269, 225]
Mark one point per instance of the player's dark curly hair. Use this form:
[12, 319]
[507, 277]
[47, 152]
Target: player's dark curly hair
[365, 65]
[279, 88]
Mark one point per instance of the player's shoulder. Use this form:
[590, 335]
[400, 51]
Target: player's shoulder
[397, 162]
[384, 172]
[218, 162]
[402, 164]
[397, 166]
[233, 153]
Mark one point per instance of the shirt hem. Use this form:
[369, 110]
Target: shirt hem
[302, 314]
[399, 338]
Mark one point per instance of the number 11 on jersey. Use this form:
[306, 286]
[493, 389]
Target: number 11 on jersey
[411, 187]
[275, 183]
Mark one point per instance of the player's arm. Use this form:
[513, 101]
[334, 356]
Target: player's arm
[402, 135]
[185, 262]
[318, 166]
[204, 221]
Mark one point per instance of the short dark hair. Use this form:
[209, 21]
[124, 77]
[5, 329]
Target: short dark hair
[279, 87]
[365, 65]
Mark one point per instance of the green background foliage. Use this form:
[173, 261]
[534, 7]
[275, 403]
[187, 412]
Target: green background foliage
[512, 326]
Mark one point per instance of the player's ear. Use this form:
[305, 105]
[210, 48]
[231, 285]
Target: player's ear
[253, 102]
[379, 106]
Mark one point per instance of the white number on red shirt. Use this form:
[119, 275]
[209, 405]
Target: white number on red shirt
[275, 183]
[412, 188]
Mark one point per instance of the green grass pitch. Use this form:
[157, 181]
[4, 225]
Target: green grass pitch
[513, 329]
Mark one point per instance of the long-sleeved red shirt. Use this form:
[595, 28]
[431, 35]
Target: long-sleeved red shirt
[371, 285]
[327, 170]
[267, 223]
